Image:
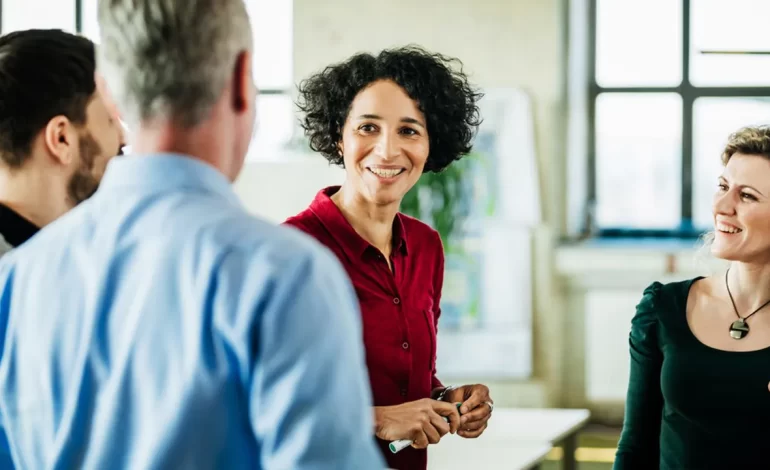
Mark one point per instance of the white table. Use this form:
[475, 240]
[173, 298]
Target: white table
[456, 453]
[525, 426]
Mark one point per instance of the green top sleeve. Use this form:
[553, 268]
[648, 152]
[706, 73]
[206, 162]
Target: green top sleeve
[639, 446]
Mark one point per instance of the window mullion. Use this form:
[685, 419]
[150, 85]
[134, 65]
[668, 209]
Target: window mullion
[688, 98]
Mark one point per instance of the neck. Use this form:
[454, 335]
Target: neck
[34, 193]
[206, 142]
[749, 285]
[374, 223]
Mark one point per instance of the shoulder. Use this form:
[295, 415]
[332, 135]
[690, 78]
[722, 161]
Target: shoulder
[270, 266]
[305, 221]
[40, 250]
[281, 244]
[421, 233]
[660, 299]
[277, 264]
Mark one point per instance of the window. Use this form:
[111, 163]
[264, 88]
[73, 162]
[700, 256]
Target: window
[638, 180]
[272, 24]
[89, 24]
[713, 120]
[43, 14]
[668, 81]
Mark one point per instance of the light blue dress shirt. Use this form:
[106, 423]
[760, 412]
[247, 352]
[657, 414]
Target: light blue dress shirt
[160, 326]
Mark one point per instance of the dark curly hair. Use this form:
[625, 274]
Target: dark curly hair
[443, 94]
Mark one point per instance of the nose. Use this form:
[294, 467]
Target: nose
[724, 203]
[387, 146]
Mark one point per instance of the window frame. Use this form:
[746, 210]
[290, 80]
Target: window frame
[584, 224]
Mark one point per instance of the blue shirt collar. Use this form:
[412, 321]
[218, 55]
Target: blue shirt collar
[165, 172]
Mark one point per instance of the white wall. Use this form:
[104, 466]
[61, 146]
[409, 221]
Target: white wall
[277, 189]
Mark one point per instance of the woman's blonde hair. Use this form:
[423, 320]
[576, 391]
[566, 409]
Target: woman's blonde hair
[748, 141]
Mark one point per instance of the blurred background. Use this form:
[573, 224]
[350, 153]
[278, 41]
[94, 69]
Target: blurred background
[591, 177]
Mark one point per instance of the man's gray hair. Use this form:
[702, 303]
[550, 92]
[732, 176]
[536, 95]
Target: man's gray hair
[170, 59]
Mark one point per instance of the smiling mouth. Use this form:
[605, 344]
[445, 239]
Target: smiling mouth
[386, 172]
[728, 229]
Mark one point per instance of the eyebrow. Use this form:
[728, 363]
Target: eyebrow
[722, 178]
[407, 120]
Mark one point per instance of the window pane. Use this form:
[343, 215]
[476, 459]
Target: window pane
[638, 160]
[275, 125]
[38, 14]
[735, 26]
[638, 43]
[90, 24]
[272, 22]
[713, 121]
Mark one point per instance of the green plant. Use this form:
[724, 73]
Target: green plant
[442, 200]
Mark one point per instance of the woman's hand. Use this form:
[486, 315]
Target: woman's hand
[421, 421]
[475, 411]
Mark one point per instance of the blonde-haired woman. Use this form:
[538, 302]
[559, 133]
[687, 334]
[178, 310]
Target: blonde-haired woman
[698, 395]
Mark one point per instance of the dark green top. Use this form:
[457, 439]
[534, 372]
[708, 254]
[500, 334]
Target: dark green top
[690, 406]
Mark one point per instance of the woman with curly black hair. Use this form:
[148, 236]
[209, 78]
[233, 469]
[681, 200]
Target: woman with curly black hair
[386, 119]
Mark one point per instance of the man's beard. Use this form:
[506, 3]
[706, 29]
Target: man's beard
[83, 183]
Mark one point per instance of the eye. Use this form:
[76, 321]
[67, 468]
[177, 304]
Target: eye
[409, 131]
[722, 186]
[748, 197]
[367, 128]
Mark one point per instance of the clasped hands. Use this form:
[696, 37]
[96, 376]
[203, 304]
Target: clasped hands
[423, 422]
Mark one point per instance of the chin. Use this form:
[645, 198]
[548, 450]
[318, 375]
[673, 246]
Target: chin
[740, 254]
[727, 255]
[385, 196]
[386, 200]
[723, 249]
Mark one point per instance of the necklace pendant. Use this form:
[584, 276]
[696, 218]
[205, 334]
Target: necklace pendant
[739, 329]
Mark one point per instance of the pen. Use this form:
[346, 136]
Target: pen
[401, 444]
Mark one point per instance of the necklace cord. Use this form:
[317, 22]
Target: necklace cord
[727, 284]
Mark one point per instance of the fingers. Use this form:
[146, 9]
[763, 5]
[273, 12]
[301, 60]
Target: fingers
[482, 412]
[472, 425]
[429, 429]
[472, 434]
[479, 394]
[454, 421]
[438, 422]
[448, 410]
[420, 440]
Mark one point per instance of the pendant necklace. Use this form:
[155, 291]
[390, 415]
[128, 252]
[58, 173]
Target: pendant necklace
[739, 328]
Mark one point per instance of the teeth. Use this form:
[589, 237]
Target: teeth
[728, 229]
[385, 173]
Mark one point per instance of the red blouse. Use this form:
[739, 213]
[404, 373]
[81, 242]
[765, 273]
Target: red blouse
[399, 308]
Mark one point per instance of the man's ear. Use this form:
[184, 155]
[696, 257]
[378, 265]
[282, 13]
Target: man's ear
[59, 137]
[243, 83]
